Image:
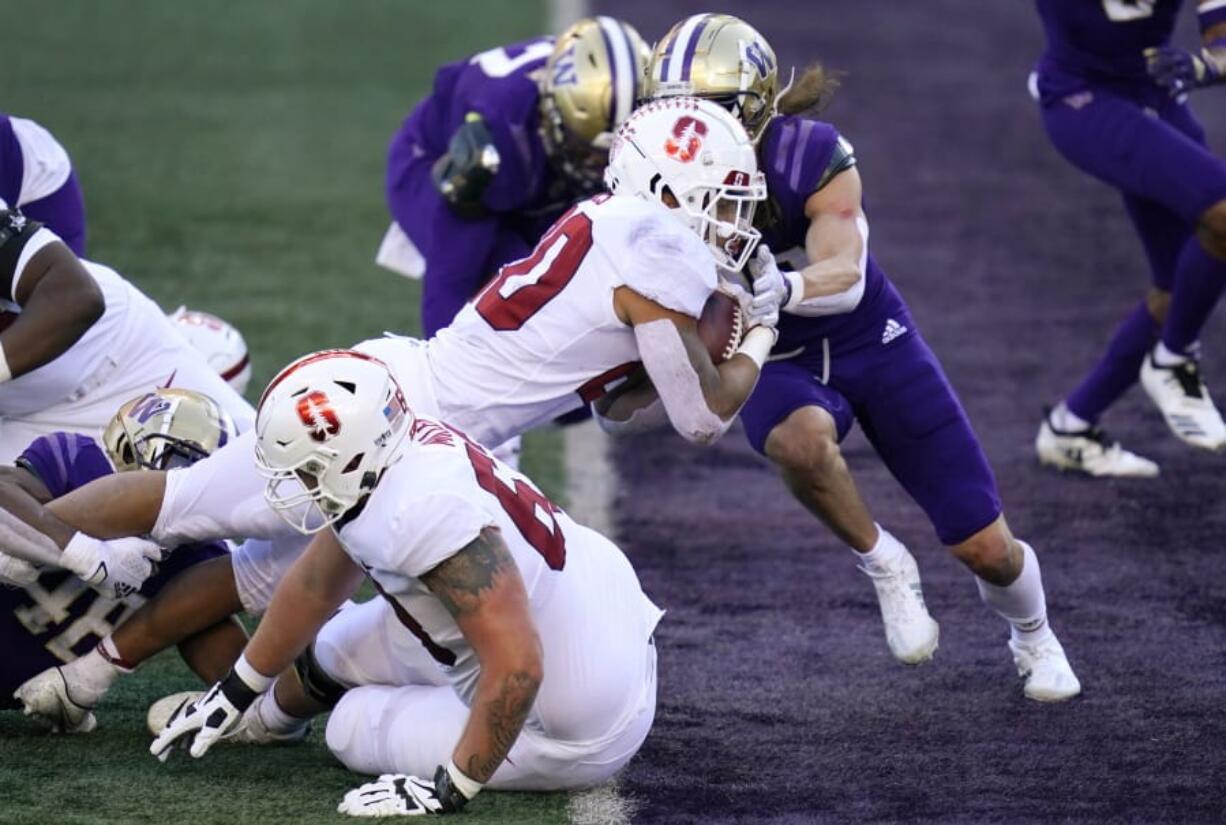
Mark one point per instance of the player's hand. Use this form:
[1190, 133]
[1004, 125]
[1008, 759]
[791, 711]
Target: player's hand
[392, 794]
[770, 289]
[198, 725]
[16, 572]
[115, 568]
[1177, 70]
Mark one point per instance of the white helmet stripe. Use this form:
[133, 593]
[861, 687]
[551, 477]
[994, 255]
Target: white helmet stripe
[621, 67]
[676, 57]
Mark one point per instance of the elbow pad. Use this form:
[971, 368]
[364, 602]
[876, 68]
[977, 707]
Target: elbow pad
[465, 172]
[668, 366]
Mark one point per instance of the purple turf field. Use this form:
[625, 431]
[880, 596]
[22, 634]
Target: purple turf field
[778, 699]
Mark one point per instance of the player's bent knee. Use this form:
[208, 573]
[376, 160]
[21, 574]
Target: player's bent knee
[992, 554]
[1211, 230]
[806, 441]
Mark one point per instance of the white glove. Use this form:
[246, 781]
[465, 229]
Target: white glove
[115, 568]
[392, 794]
[17, 572]
[209, 717]
[770, 289]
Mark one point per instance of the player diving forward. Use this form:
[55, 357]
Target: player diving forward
[1112, 93]
[850, 351]
[506, 631]
[617, 280]
[50, 617]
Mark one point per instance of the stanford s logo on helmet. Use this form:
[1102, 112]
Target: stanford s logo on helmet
[686, 139]
[317, 414]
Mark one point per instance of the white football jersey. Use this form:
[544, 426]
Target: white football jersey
[437, 499]
[543, 338]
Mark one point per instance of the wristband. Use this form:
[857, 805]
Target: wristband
[454, 788]
[244, 684]
[5, 372]
[757, 344]
[796, 289]
[80, 556]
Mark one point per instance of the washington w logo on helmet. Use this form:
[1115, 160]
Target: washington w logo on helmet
[317, 414]
[686, 139]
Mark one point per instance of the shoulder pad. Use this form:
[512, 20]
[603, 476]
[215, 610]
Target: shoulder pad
[465, 172]
[841, 159]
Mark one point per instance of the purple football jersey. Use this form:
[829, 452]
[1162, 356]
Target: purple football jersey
[1101, 41]
[795, 154]
[12, 163]
[60, 617]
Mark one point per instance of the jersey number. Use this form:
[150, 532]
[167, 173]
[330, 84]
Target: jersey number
[498, 63]
[1121, 11]
[526, 285]
[534, 515]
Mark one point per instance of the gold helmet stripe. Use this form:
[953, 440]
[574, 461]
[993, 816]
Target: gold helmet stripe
[621, 67]
[680, 57]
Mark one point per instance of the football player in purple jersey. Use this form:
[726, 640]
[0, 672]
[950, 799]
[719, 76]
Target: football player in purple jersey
[36, 176]
[849, 351]
[52, 619]
[1112, 93]
[506, 142]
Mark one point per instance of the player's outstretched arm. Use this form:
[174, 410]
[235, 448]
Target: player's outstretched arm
[311, 591]
[701, 398]
[59, 300]
[482, 588]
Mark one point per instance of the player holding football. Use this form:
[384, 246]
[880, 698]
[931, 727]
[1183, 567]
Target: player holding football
[618, 282]
[84, 341]
[507, 141]
[506, 631]
[849, 351]
[1113, 96]
[36, 176]
[48, 619]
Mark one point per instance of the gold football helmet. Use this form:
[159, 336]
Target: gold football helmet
[164, 429]
[722, 58]
[590, 85]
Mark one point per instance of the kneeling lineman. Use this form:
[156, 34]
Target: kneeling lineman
[483, 580]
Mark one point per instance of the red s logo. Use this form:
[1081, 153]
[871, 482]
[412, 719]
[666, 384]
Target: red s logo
[317, 414]
[686, 139]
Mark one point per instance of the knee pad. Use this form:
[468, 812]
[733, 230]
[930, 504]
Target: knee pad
[316, 682]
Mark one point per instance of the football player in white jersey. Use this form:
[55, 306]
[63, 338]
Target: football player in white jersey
[618, 279]
[78, 341]
[506, 631]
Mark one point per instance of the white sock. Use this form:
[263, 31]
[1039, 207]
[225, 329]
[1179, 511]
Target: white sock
[89, 677]
[884, 553]
[276, 719]
[1067, 421]
[1164, 357]
[1022, 604]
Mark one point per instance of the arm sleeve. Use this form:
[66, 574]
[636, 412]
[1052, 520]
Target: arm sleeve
[433, 529]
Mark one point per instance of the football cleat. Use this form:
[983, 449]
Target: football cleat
[46, 695]
[910, 632]
[251, 729]
[1047, 675]
[1184, 400]
[1089, 451]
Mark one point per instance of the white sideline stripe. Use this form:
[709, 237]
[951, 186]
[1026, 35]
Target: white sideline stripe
[600, 806]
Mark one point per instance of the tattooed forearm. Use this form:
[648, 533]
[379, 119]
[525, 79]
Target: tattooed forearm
[504, 717]
[460, 580]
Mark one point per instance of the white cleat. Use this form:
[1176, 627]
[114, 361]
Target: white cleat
[1044, 667]
[46, 695]
[251, 729]
[1090, 451]
[1184, 400]
[910, 632]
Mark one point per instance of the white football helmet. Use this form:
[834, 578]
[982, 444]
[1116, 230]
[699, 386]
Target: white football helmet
[220, 343]
[326, 428]
[702, 156]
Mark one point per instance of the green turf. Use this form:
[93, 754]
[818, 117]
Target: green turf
[232, 159]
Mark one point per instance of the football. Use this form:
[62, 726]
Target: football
[721, 326]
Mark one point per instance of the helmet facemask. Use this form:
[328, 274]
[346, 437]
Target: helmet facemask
[723, 217]
[166, 429]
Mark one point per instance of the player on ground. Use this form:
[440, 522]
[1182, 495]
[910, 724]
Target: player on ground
[532, 635]
[221, 344]
[617, 283]
[506, 142]
[80, 341]
[850, 351]
[1113, 95]
[36, 176]
[49, 619]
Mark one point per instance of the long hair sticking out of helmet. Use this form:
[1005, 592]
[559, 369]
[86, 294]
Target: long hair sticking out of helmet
[810, 93]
